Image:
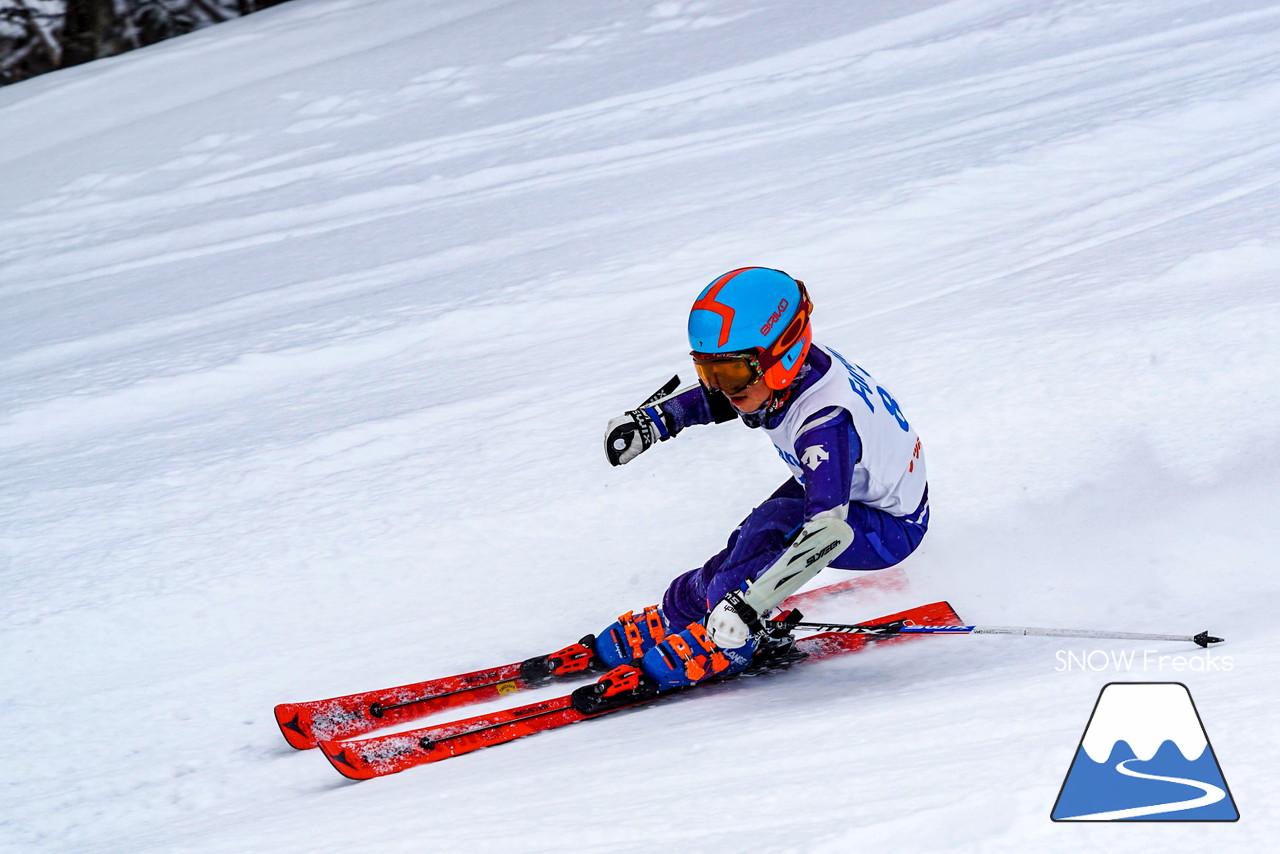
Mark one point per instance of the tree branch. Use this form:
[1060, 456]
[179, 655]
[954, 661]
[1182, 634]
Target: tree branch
[214, 11]
[37, 32]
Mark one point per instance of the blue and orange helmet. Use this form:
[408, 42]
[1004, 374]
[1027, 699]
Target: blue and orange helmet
[757, 313]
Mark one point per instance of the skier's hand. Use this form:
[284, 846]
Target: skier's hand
[726, 626]
[630, 435]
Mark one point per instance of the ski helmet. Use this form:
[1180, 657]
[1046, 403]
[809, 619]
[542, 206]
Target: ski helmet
[757, 311]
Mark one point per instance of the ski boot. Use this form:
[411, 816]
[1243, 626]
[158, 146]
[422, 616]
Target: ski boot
[678, 661]
[689, 657]
[630, 637]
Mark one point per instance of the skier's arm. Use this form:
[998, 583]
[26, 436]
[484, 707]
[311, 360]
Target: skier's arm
[662, 416]
[697, 404]
[828, 449]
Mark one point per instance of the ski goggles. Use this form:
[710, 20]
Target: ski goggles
[731, 373]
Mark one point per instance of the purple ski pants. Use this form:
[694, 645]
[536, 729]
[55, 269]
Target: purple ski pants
[880, 540]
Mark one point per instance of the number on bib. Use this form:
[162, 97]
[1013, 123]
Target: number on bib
[891, 406]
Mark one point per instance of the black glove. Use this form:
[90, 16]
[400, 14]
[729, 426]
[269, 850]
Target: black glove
[629, 435]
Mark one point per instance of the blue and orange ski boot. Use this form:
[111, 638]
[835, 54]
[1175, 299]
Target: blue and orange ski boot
[689, 657]
[627, 639]
[646, 664]
[677, 661]
[619, 650]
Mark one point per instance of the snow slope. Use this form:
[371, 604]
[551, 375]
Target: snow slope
[310, 324]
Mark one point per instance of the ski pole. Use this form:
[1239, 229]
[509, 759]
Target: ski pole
[1203, 639]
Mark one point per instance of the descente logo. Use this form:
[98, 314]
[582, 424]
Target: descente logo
[774, 318]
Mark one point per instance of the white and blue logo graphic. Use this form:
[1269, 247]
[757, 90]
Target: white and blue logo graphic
[1145, 756]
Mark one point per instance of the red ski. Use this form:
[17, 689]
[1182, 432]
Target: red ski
[388, 754]
[304, 724]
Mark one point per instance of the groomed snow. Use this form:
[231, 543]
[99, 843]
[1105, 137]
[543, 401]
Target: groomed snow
[310, 324]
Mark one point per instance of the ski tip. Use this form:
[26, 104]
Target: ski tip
[347, 762]
[1204, 639]
[295, 726]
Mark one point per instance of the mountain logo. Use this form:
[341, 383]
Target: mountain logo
[1145, 756]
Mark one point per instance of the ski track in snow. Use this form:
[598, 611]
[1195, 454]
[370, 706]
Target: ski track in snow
[308, 331]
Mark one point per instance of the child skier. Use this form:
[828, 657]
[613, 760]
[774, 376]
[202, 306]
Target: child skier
[857, 498]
